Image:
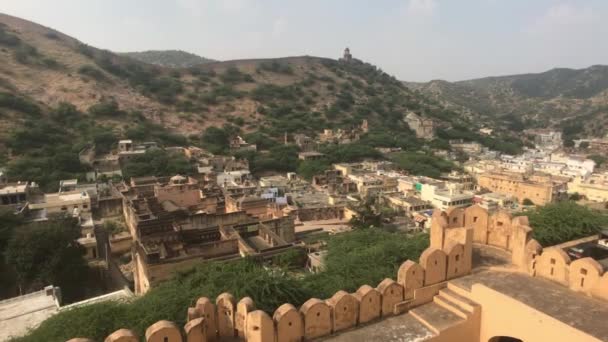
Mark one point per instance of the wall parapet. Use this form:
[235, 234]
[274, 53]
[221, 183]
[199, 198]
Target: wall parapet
[209, 321]
[416, 284]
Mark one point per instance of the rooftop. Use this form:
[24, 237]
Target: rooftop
[19, 314]
[552, 299]
[400, 328]
[13, 188]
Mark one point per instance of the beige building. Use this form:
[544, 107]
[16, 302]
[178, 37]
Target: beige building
[64, 202]
[183, 191]
[14, 194]
[540, 189]
[594, 189]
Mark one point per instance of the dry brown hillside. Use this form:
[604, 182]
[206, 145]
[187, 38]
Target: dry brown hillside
[59, 95]
[62, 83]
[49, 67]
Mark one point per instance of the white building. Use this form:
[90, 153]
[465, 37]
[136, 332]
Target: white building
[443, 197]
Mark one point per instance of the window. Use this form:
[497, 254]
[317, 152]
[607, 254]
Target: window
[475, 219]
[552, 261]
[457, 257]
[499, 223]
[583, 271]
[85, 206]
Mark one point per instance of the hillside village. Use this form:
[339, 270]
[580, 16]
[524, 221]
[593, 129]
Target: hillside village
[142, 180]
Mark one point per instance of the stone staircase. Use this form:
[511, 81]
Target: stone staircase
[451, 314]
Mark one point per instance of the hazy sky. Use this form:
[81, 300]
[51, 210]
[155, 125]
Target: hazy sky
[416, 40]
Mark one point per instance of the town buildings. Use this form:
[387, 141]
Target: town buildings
[538, 188]
[174, 225]
[594, 188]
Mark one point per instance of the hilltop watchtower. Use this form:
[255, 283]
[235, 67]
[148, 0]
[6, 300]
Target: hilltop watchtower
[347, 56]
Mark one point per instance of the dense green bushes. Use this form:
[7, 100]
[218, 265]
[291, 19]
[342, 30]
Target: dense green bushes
[92, 72]
[149, 131]
[422, 164]
[564, 221]
[356, 258]
[48, 253]
[19, 103]
[276, 67]
[233, 75]
[216, 140]
[8, 39]
[106, 107]
[157, 162]
[349, 153]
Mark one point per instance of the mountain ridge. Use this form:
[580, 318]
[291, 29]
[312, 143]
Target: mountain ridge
[555, 98]
[168, 58]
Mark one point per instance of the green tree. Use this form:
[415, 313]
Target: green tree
[48, 253]
[423, 164]
[367, 216]
[106, 107]
[8, 222]
[307, 169]
[157, 162]
[564, 221]
[216, 140]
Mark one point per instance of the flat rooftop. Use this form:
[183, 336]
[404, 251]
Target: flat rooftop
[19, 314]
[584, 313]
[402, 328]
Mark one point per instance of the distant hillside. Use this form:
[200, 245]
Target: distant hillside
[168, 58]
[559, 97]
[58, 95]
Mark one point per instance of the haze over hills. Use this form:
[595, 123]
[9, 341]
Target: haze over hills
[557, 97]
[168, 58]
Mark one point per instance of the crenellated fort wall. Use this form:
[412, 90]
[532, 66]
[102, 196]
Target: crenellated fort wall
[449, 256]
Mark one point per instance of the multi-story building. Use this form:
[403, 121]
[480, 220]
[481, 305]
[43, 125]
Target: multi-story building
[15, 194]
[442, 196]
[539, 188]
[173, 228]
[594, 189]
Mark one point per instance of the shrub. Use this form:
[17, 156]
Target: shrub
[18, 103]
[157, 162]
[8, 39]
[276, 67]
[233, 75]
[92, 72]
[106, 107]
